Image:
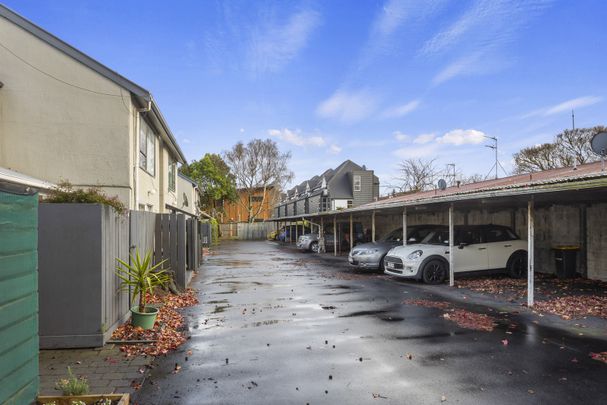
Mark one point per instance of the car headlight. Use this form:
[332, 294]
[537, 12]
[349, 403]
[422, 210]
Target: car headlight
[416, 254]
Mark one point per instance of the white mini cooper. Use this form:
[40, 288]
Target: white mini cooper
[477, 248]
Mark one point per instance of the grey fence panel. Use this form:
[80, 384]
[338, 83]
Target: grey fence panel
[254, 231]
[164, 237]
[78, 246]
[142, 229]
[180, 268]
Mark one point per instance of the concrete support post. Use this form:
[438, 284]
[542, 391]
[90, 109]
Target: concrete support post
[291, 232]
[405, 226]
[335, 235]
[451, 247]
[530, 253]
[351, 232]
[373, 226]
[296, 231]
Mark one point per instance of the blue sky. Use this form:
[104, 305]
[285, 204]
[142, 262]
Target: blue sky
[374, 81]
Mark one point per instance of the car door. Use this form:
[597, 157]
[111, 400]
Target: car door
[499, 246]
[470, 250]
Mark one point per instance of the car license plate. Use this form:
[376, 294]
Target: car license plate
[390, 265]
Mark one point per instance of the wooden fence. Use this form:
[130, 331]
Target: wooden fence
[247, 231]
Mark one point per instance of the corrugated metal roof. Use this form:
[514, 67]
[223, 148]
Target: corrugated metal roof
[563, 179]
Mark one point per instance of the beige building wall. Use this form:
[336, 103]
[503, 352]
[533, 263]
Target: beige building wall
[187, 197]
[55, 131]
[61, 120]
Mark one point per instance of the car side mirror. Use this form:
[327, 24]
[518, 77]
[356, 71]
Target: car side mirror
[462, 245]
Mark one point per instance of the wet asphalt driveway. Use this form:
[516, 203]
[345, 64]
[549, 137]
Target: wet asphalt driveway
[280, 327]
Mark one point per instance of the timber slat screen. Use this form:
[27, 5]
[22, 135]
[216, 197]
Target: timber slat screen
[18, 298]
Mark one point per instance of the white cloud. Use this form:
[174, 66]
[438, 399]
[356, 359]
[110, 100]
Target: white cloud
[416, 151]
[401, 110]
[242, 130]
[347, 106]
[334, 149]
[294, 137]
[399, 136]
[186, 140]
[462, 66]
[275, 45]
[462, 137]
[478, 37]
[565, 106]
[424, 138]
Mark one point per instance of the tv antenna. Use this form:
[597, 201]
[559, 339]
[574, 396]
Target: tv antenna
[451, 173]
[598, 143]
[497, 163]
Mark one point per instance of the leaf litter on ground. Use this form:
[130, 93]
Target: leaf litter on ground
[167, 333]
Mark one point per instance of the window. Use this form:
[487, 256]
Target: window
[172, 173]
[499, 235]
[349, 204]
[357, 182]
[147, 148]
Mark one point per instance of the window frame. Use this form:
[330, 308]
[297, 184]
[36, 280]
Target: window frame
[172, 173]
[357, 185]
[147, 149]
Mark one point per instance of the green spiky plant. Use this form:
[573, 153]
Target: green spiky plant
[72, 385]
[141, 276]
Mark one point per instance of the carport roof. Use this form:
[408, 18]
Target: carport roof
[584, 177]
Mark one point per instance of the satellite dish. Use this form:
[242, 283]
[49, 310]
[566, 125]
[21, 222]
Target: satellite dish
[598, 143]
[442, 184]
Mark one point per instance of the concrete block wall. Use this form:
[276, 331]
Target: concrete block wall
[596, 215]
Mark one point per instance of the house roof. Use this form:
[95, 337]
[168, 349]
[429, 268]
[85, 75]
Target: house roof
[11, 176]
[316, 181]
[567, 179]
[144, 97]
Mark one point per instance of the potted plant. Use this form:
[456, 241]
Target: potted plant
[142, 277]
[75, 391]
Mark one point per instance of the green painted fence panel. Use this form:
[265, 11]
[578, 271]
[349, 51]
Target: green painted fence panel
[18, 298]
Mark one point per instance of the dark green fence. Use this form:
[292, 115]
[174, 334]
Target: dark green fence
[18, 298]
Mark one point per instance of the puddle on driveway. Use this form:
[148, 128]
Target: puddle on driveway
[389, 318]
[364, 313]
[429, 335]
[224, 301]
[218, 309]
[327, 307]
[264, 323]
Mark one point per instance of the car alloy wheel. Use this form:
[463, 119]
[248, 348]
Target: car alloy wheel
[314, 247]
[517, 265]
[435, 272]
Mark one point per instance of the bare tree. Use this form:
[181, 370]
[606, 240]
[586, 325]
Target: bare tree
[568, 148]
[473, 178]
[259, 167]
[416, 174]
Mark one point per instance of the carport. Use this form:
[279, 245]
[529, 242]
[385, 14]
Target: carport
[566, 206]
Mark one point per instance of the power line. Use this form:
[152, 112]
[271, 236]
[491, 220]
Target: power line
[56, 78]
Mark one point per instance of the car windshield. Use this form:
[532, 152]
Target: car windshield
[394, 236]
[437, 237]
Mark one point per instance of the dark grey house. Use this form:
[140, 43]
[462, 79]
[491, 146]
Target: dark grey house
[348, 185]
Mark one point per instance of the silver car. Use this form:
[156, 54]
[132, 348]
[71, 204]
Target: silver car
[371, 255]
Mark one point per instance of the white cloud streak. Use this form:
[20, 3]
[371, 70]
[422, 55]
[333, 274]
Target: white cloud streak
[424, 138]
[399, 136]
[401, 110]
[348, 107]
[274, 46]
[294, 137]
[565, 106]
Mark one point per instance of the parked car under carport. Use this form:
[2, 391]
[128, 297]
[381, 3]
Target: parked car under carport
[371, 255]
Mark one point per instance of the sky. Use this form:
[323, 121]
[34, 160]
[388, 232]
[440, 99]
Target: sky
[374, 81]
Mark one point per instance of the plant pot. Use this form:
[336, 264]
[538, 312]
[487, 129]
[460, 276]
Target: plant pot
[117, 399]
[145, 319]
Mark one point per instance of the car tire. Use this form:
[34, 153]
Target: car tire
[517, 265]
[314, 247]
[434, 272]
[381, 267]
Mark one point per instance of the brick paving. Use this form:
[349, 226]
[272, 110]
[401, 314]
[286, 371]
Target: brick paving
[106, 369]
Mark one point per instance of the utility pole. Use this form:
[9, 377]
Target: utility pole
[572, 120]
[451, 175]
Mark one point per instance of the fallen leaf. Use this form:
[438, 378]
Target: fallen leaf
[505, 342]
[443, 398]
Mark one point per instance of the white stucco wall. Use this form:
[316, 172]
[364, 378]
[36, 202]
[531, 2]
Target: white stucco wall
[55, 131]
